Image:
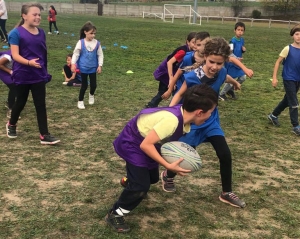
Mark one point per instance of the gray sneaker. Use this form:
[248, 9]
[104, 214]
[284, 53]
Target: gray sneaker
[11, 131]
[296, 130]
[117, 222]
[274, 120]
[167, 183]
[232, 199]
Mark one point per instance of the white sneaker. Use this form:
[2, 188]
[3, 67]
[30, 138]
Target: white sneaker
[57, 32]
[91, 99]
[65, 83]
[80, 105]
[49, 32]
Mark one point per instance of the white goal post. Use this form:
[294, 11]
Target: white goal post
[172, 11]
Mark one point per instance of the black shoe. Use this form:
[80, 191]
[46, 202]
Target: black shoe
[117, 222]
[11, 131]
[232, 94]
[223, 97]
[48, 139]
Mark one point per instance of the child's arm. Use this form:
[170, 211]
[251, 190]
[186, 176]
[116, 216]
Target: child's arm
[3, 62]
[172, 83]
[178, 96]
[76, 54]
[148, 147]
[170, 67]
[230, 80]
[276, 67]
[100, 59]
[17, 57]
[238, 63]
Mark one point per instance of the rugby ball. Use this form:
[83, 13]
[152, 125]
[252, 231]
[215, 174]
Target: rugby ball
[172, 151]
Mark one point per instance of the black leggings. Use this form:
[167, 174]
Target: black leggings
[38, 92]
[223, 152]
[50, 26]
[12, 94]
[84, 84]
[3, 32]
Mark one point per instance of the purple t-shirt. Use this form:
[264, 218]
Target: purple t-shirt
[30, 47]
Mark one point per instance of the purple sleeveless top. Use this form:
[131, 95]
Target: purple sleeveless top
[31, 47]
[127, 144]
[4, 76]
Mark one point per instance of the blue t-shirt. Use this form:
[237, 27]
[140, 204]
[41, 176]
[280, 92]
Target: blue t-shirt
[233, 70]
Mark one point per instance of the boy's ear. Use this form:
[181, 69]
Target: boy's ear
[199, 112]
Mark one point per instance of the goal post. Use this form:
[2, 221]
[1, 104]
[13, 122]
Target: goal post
[172, 11]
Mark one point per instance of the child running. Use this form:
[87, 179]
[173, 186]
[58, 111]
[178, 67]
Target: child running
[140, 141]
[52, 19]
[290, 55]
[71, 78]
[29, 51]
[5, 75]
[89, 58]
[213, 74]
[169, 66]
[237, 45]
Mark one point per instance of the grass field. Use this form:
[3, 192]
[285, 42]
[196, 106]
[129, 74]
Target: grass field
[65, 191]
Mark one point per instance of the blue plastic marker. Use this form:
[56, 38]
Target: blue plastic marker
[124, 47]
[69, 47]
[115, 44]
[103, 47]
[5, 47]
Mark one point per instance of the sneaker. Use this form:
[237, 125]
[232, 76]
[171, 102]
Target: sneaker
[167, 183]
[117, 222]
[48, 139]
[296, 130]
[124, 182]
[80, 105]
[274, 120]
[223, 97]
[57, 32]
[65, 83]
[49, 33]
[231, 93]
[232, 199]
[91, 99]
[11, 131]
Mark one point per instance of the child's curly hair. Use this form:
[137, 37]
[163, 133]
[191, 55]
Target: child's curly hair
[217, 46]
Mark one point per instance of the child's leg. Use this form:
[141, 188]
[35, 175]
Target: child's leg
[12, 94]
[74, 82]
[225, 89]
[38, 92]
[138, 186]
[241, 79]
[54, 23]
[50, 26]
[291, 89]
[84, 85]
[162, 88]
[223, 152]
[22, 96]
[93, 83]
[68, 71]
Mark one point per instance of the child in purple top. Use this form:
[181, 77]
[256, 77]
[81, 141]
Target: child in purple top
[139, 145]
[29, 51]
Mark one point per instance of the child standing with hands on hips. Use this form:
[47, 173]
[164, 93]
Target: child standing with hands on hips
[29, 51]
[88, 55]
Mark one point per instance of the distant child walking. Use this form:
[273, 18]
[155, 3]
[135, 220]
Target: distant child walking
[88, 55]
[71, 78]
[237, 45]
[139, 145]
[290, 55]
[169, 67]
[52, 19]
[213, 74]
[5, 75]
[29, 51]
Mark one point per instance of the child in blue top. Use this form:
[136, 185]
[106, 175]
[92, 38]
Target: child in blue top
[140, 141]
[290, 55]
[212, 73]
[237, 45]
[29, 51]
[169, 66]
[89, 58]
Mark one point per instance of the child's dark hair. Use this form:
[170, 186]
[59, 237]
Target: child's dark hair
[199, 97]
[296, 28]
[201, 36]
[240, 24]
[53, 8]
[69, 55]
[25, 9]
[217, 46]
[190, 36]
[86, 27]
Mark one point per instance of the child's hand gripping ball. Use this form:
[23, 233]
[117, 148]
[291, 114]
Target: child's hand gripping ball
[172, 151]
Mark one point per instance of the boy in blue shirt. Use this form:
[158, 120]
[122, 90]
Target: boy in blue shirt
[237, 46]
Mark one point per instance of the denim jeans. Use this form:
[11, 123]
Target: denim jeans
[289, 100]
